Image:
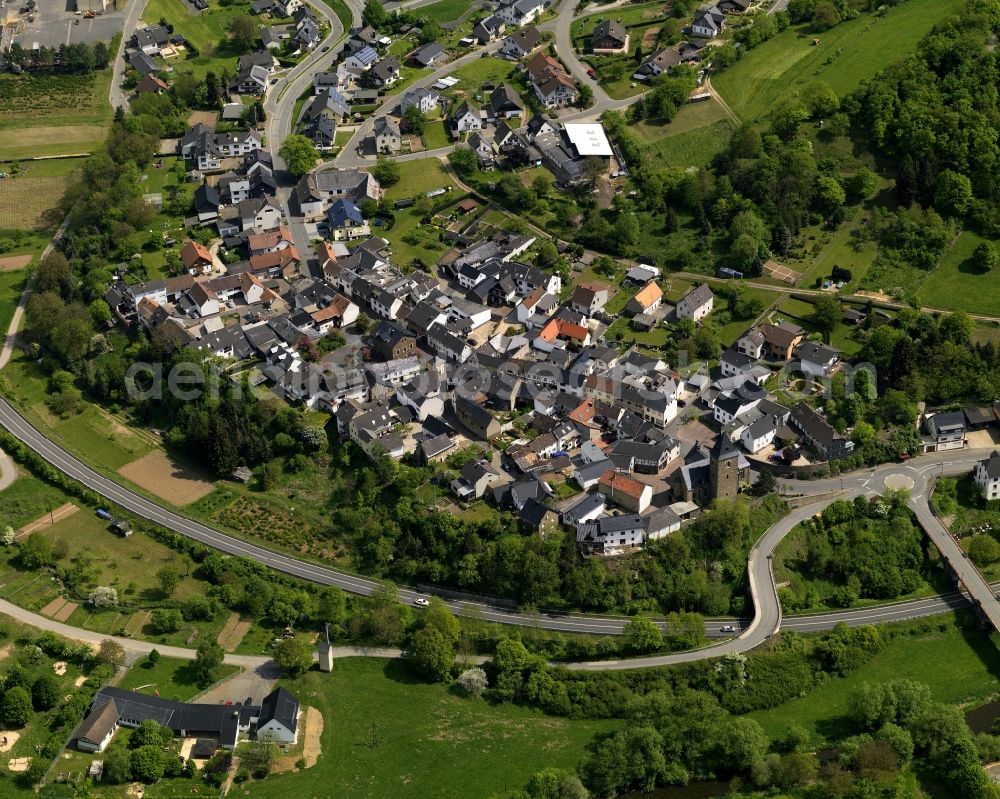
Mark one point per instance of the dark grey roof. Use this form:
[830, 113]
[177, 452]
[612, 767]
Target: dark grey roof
[282, 706]
[992, 466]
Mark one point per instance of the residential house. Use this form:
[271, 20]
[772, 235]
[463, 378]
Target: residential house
[430, 54]
[385, 72]
[258, 59]
[321, 187]
[816, 359]
[426, 100]
[196, 258]
[387, 136]
[590, 298]
[476, 478]
[625, 491]
[647, 300]
[253, 80]
[987, 476]
[476, 419]
[345, 222]
[609, 38]
[485, 149]
[751, 343]
[709, 22]
[362, 59]
[521, 43]
[363, 37]
[658, 62]
[391, 342]
[556, 91]
[150, 84]
[696, 303]
[467, 117]
[489, 29]
[819, 434]
[517, 13]
[277, 721]
[781, 340]
[505, 103]
[946, 430]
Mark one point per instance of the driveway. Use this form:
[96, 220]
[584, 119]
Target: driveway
[256, 682]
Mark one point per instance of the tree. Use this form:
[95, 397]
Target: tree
[110, 653]
[146, 764]
[331, 607]
[104, 596]
[741, 742]
[584, 96]
[116, 765]
[953, 194]
[825, 15]
[45, 692]
[414, 120]
[54, 274]
[299, 154]
[826, 314]
[463, 160]
[9, 536]
[986, 256]
[386, 171]
[830, 196]
[165, 620]
[207, 660]
[35, 551]
[243, 31]
[765, 484]
[511, 655]
[374, 14]
[984, 550]
[363, 323]
[293, 655]
[149, 733]
[473, 682]
[642, 635]
[433, 654]
[431, 31]
[169, 577]
[15, 709]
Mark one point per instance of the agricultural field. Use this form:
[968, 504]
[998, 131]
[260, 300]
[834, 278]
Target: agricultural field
[207, 31]
[847, 54]
[425, 738]
[33, 200]
[53, 114]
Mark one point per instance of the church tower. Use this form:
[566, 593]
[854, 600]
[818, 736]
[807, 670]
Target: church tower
[728, 468]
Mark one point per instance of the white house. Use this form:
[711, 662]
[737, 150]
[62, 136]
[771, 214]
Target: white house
[696, 304]
[987, 476]
[279, 718]
[521, 12]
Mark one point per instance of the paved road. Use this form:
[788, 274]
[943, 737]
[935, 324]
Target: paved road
[115, 94]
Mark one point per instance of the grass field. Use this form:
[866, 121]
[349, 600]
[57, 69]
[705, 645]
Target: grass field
[430, 742]
[417, 177]
[207, 31]
[445, 11]
[849, 53]
[959, 666]
[958, 285]
[692, 147]
[483, 70]
[53, 114]
[170, 677]
[26, 500]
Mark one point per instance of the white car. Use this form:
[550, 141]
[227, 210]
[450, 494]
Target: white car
[420, 601]
[728, 628]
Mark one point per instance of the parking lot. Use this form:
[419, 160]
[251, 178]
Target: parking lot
[56, 22]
